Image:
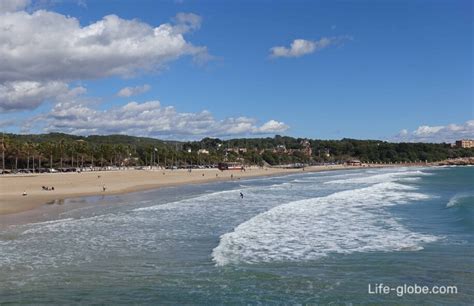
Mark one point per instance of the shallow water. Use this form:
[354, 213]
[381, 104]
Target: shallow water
[304, 238]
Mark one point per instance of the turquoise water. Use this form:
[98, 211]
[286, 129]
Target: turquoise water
[306, 238]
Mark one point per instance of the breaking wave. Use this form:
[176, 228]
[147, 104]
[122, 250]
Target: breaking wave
[460, 199]
[344, 222]
[379, 178]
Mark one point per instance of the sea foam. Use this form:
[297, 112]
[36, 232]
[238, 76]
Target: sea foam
[344, 222]
[383, 177]
[459, 198]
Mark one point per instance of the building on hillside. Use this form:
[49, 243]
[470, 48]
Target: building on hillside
[307, 150]
[237, 150]
[465, 143]
[280, 149]
[203, 151]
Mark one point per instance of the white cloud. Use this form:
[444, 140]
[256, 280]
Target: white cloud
[133, 91]
[82, 3]
[13, 5]
[29, 94]
[186, 22]
[403, 132]
[272, 126]
[50, 46]
[426, 130]
[300, 47]
[147, 119]
[442, 133]
[44, 47]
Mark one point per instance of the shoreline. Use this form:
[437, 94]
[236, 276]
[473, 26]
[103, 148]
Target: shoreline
[74, 185]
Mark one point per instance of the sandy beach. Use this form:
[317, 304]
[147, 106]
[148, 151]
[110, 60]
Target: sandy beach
[68, 185]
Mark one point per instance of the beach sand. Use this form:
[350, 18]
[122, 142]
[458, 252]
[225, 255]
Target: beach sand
[73, 185]
[69, 185]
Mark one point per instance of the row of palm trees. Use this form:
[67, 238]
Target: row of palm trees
[66, 153]
[61, 154]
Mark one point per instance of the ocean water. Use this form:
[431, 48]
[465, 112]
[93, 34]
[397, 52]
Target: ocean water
[309, 238]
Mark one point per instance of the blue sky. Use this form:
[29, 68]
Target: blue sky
[394, 70]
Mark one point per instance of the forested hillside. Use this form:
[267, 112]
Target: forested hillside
[62, 150]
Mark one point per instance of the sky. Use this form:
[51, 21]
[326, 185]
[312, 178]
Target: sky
[181, 69]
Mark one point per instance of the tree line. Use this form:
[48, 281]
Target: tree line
[57, 150]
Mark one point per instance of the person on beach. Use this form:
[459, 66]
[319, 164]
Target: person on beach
[103, 188]
[241, 195]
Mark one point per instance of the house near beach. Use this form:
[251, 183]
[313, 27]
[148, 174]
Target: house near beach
[354, 162]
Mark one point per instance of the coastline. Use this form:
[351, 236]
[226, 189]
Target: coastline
[72, 185]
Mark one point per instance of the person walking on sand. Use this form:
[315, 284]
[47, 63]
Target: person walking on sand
[103, 188]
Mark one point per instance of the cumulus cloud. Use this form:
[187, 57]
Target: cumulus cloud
[44, 47]
[13, 5]
[300, 47]
[148, 119]
[272, 126]
[29, 94]
[133, 91]
[442, 133]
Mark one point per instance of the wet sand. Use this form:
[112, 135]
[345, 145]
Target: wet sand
[68, 185]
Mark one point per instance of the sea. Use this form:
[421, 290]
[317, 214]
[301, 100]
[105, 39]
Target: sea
[328, 238]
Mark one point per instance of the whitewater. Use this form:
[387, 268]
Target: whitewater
[291, 239]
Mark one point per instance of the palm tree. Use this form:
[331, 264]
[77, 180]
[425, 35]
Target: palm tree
[26, 149]
[3, 153]
[16, 151]
[39, 153]
[105, 151]
[91, 150]
[48, 149]
[32, 152]
[81, 149]
[61, 152]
